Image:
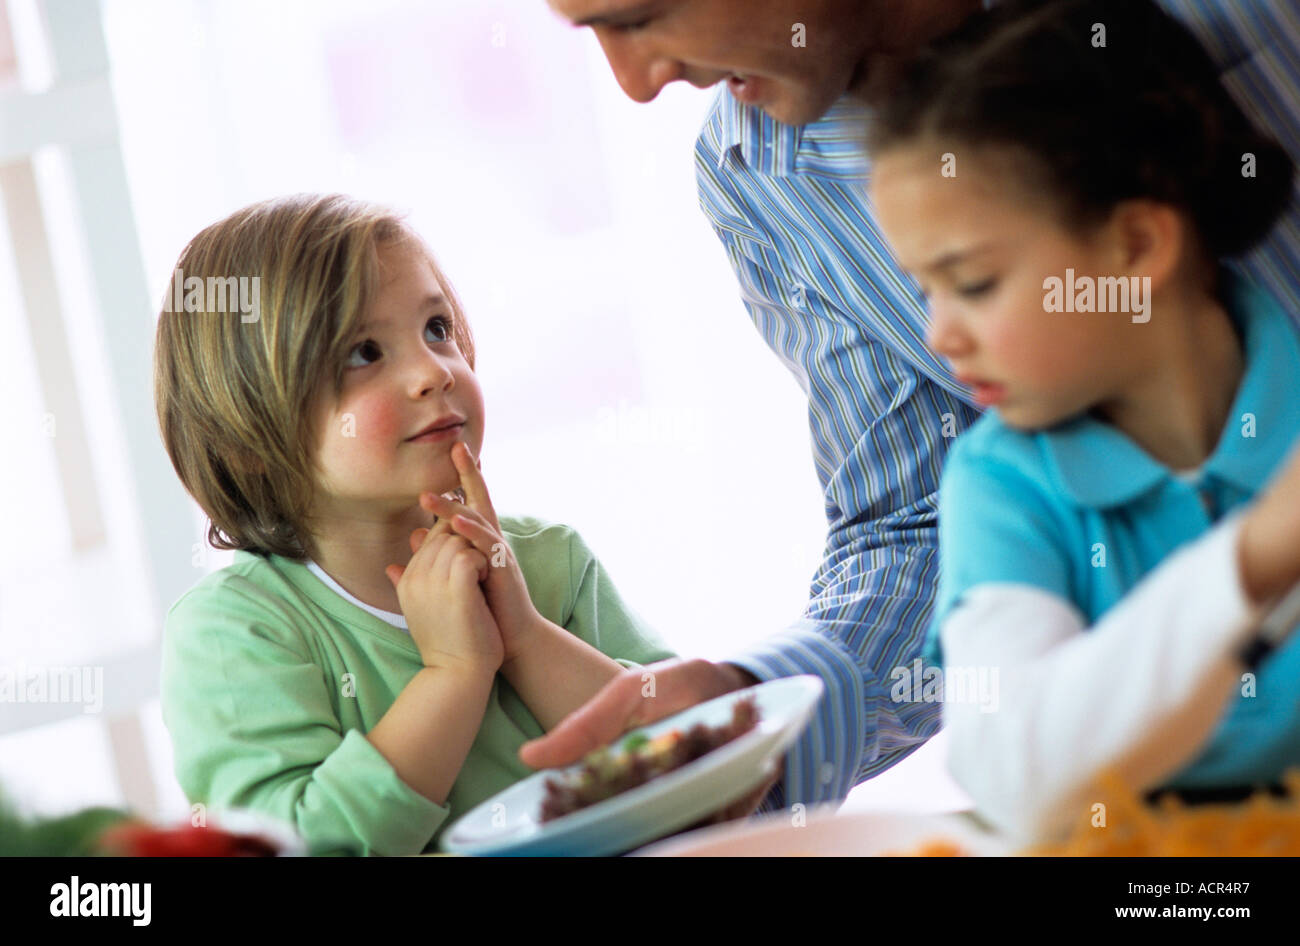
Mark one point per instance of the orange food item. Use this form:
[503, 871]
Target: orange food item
[934, 847]
[1261, 826]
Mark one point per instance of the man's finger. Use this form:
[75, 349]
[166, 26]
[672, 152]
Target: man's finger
[604, 717]
[633, 698]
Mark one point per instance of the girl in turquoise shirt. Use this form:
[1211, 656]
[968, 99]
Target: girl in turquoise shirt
[1072, 187]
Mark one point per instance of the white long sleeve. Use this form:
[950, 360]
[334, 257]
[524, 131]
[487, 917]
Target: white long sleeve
[1141, 691]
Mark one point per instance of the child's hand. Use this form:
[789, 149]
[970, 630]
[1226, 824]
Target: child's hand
[1269, 550]
[445, 609]
[476, 521]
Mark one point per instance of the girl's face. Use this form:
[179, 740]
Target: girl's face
[404, 373]
[981, 255]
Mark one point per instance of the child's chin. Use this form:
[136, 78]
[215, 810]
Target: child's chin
[1028, 421]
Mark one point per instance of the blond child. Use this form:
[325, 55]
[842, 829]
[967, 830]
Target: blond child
[370, 663]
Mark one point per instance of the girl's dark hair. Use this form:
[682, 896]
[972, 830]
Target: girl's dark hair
[1142, 116]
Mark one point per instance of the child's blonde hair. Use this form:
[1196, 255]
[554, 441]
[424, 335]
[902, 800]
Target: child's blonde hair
[235, 396]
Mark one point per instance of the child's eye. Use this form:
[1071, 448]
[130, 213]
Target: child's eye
[978, 289]
[368, 347]
[368, 352]
[443, 329]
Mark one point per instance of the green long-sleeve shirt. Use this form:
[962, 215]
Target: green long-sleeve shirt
[270, 679]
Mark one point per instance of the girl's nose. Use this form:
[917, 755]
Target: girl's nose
[642, 74]
[946, 336]
[431, 373]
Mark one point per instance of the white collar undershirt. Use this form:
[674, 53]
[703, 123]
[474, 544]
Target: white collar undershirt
[390, 617]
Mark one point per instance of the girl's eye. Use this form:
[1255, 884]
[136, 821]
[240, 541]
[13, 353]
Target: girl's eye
[364, 349]
[977, 290]
[442, 328]
[367, 352]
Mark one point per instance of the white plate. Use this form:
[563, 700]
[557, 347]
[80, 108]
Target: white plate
[823, 833]
[507, 823]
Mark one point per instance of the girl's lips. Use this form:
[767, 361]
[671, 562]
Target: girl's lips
[988, 395]
[442, 433]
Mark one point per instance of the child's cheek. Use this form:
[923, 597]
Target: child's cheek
[376, 422]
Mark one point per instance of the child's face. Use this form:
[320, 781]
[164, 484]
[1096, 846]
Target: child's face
[404, 373]
[981, 255]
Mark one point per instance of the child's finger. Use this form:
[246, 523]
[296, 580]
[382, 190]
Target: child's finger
[471, 480]
[479, 535]
[417, 539]
[394, 573]
[442, 509]
[445, 508]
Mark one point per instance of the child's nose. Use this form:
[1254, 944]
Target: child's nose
[431, 372]
[946, 336]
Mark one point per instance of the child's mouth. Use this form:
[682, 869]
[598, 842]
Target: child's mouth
[439, 433]
[988, 395]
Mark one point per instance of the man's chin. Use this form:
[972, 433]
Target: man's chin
[801, 112]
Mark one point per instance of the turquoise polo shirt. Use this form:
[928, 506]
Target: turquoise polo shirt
[1082, 512]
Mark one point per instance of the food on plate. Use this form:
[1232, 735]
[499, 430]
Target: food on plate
[611, 771]
[1261, 826]
[934, 847]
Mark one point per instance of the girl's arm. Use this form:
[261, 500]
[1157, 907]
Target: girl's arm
[556, 672]
[554, 668]
[1138, 694]
[427, 732]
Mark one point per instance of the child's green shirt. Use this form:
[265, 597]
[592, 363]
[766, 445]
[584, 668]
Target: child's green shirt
[270, 680]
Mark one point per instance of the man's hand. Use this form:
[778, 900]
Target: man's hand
[639, 696]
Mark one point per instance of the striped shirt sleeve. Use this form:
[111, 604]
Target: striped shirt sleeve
[867, 616]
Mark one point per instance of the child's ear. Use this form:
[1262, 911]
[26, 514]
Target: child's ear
[1151, 237]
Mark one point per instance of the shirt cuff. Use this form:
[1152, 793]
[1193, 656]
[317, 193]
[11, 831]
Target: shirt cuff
[822, 764]
[1218, 592]
[361, 798]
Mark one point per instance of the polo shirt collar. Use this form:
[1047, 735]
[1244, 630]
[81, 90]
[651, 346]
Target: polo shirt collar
[1097, 466]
